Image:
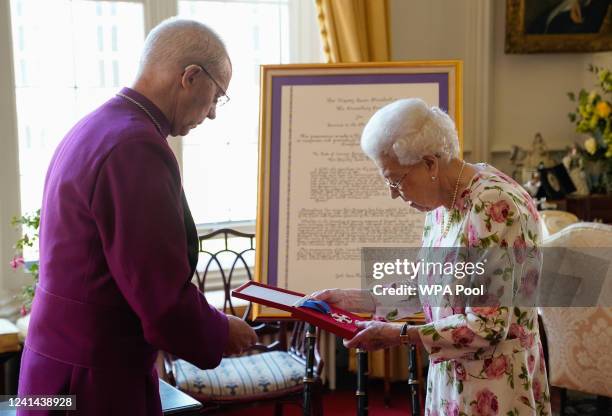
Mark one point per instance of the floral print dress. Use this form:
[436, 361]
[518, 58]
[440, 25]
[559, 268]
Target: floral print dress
[487, 360]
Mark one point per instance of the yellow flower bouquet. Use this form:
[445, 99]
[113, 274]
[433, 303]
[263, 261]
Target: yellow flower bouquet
[593, 117]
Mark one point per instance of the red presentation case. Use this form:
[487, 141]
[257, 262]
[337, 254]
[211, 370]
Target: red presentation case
[338, 321]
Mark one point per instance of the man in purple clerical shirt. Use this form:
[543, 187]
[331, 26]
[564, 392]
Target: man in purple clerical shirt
[118, 245]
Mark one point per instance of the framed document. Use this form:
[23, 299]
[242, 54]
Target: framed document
[320, 199]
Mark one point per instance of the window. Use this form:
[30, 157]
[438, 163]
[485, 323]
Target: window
[220, 157]
[74, 54]
[69, 57]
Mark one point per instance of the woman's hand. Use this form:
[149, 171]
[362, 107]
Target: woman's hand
[375, 335]
[353, 300]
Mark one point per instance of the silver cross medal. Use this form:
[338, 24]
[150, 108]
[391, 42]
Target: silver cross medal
[343, 319]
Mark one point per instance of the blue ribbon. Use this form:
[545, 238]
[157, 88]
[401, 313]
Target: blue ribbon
[317, 305]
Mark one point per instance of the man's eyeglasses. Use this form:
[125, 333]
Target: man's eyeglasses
[395, 185]
[223, 98]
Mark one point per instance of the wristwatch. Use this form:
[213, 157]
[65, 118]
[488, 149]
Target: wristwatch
[404, 337]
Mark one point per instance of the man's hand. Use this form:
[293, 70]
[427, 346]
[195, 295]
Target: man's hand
[241, 336]
[353, 300]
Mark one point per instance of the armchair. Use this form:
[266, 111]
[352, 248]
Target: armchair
[273, 370]
[579, 339]
[554, 221]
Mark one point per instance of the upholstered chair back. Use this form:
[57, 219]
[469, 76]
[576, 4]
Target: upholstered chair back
[580, 339]
[554, 221]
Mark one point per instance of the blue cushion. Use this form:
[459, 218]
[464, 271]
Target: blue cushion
[243, 377]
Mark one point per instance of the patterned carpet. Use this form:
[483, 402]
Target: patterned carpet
[342, 403]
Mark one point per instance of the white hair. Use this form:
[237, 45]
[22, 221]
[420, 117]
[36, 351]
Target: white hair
[177, 43]
[411, 129]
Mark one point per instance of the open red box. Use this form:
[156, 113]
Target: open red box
[338, 321]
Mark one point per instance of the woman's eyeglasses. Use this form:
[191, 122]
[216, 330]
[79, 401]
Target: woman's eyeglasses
[395, 185]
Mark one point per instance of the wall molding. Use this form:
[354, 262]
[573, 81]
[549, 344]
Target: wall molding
[155, 12]
[479, 63]
[11, 281]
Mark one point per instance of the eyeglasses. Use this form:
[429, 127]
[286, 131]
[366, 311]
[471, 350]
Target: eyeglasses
[395, 185]
[222, 99]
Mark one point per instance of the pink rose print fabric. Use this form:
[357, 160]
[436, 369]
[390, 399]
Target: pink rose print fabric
[486, 360]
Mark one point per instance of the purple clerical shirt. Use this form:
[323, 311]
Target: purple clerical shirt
[117, 252]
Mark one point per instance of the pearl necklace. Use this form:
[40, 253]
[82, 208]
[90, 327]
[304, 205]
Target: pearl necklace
[143, 108]
[446, 222]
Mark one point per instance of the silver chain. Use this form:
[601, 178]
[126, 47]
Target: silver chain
[142, 107]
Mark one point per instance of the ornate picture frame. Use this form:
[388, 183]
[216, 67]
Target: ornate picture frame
[558, 26]
[320, 200]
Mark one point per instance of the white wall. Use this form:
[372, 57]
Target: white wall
[429, 30]
[526, 93]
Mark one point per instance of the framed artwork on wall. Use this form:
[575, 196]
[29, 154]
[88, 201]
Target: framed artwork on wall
[545, 26]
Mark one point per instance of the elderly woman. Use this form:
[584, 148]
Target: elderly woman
[487, 359]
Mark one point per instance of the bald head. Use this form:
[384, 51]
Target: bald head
[184, 70]
[176, 43]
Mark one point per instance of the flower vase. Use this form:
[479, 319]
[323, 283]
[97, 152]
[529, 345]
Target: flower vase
[595, 173]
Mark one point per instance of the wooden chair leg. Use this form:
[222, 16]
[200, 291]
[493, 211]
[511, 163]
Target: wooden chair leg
[278, 409]
[309, 380]
[362, 382]
[387, 377]
[413, 380]
[555, 400]
[421, 379]
[563, 401]
[317, 399]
